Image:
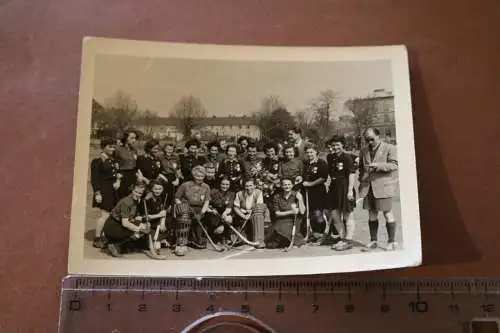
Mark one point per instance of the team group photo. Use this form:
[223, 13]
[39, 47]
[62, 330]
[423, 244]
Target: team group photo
[285, 175]
[213, 160]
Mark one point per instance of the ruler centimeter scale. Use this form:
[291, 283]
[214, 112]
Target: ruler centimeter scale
[288, 305]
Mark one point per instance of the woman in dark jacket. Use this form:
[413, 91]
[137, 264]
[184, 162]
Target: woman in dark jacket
[105, 181]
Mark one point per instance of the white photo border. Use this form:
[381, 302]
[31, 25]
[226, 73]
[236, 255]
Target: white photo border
[410, 255]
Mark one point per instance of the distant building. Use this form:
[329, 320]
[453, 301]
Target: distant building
[383, 117]
[165, 127]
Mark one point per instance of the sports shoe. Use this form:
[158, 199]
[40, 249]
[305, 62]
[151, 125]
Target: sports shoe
[99, 243]
[392, 246]
[114, 251]
[180, 250]
[372, 245]
[341, 246]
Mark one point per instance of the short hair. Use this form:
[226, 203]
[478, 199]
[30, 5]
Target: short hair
[199, 169]
[270, 145]
[107, 142]
[286, 178]
[336, 138]
[252, 144]
[310, 145]
[150, 144]
[248, 179]
[295, 129]
[213, 144]
[168, 144]
[126, 134]
[225, 178]
[155, 182]
[139, 184]
[243, 138]
[231, 145]
[192, 142]
[373, 129]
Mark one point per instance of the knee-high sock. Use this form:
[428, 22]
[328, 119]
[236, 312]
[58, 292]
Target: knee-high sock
[373, 225]
[391, 231]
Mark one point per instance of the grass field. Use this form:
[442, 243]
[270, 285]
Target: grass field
[244, 252]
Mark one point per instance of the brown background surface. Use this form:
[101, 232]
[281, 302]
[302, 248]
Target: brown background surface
[455, 71]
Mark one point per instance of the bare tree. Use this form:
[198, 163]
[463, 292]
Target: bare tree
[121, 111]
[189, 112]
[271, 103]
[323, 108]
[363, 110]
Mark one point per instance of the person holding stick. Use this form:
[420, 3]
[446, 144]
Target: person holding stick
[220, 210]
[315, 174]
[155, 206]
[125, 225]
[191, 203]
[289, 209]
[249, 206]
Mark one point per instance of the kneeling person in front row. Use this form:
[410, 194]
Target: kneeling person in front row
[220, 210]
[289, 210]
[154, 206]
[191, 203]
[249, 208]
[124, 226]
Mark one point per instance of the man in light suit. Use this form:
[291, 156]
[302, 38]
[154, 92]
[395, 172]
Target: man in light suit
[378, 185]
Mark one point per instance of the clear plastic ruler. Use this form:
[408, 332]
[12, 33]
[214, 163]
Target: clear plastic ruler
[285, 305]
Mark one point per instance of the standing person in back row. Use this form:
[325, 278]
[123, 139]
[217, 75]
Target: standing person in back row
[378, 185]
[190, 159]
[295, 139]
[126, 156]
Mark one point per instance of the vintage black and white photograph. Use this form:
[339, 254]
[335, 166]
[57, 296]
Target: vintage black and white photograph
[210, 160]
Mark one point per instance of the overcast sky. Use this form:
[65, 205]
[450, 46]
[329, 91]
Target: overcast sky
[233, 88]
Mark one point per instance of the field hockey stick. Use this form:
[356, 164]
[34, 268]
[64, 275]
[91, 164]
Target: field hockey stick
[327, 225]
[240, 235]
[218, 249]
[294, 229]
[239, 232]
[308, 218]
[151, 244]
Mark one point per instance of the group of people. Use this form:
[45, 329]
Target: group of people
[231, 196]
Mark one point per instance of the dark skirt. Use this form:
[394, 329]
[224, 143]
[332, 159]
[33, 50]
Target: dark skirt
[281, 234]
[284, 225]
[318, 199]
[115, 232]
[337, 196]
[128, 181]
[109, 197]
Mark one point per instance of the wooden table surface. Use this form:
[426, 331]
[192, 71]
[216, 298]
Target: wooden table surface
[454, 54]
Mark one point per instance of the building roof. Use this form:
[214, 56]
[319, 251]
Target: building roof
[207, 121]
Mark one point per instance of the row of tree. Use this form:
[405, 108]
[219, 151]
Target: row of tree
[273, 117]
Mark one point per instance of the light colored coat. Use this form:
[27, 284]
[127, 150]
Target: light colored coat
[382, 178]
